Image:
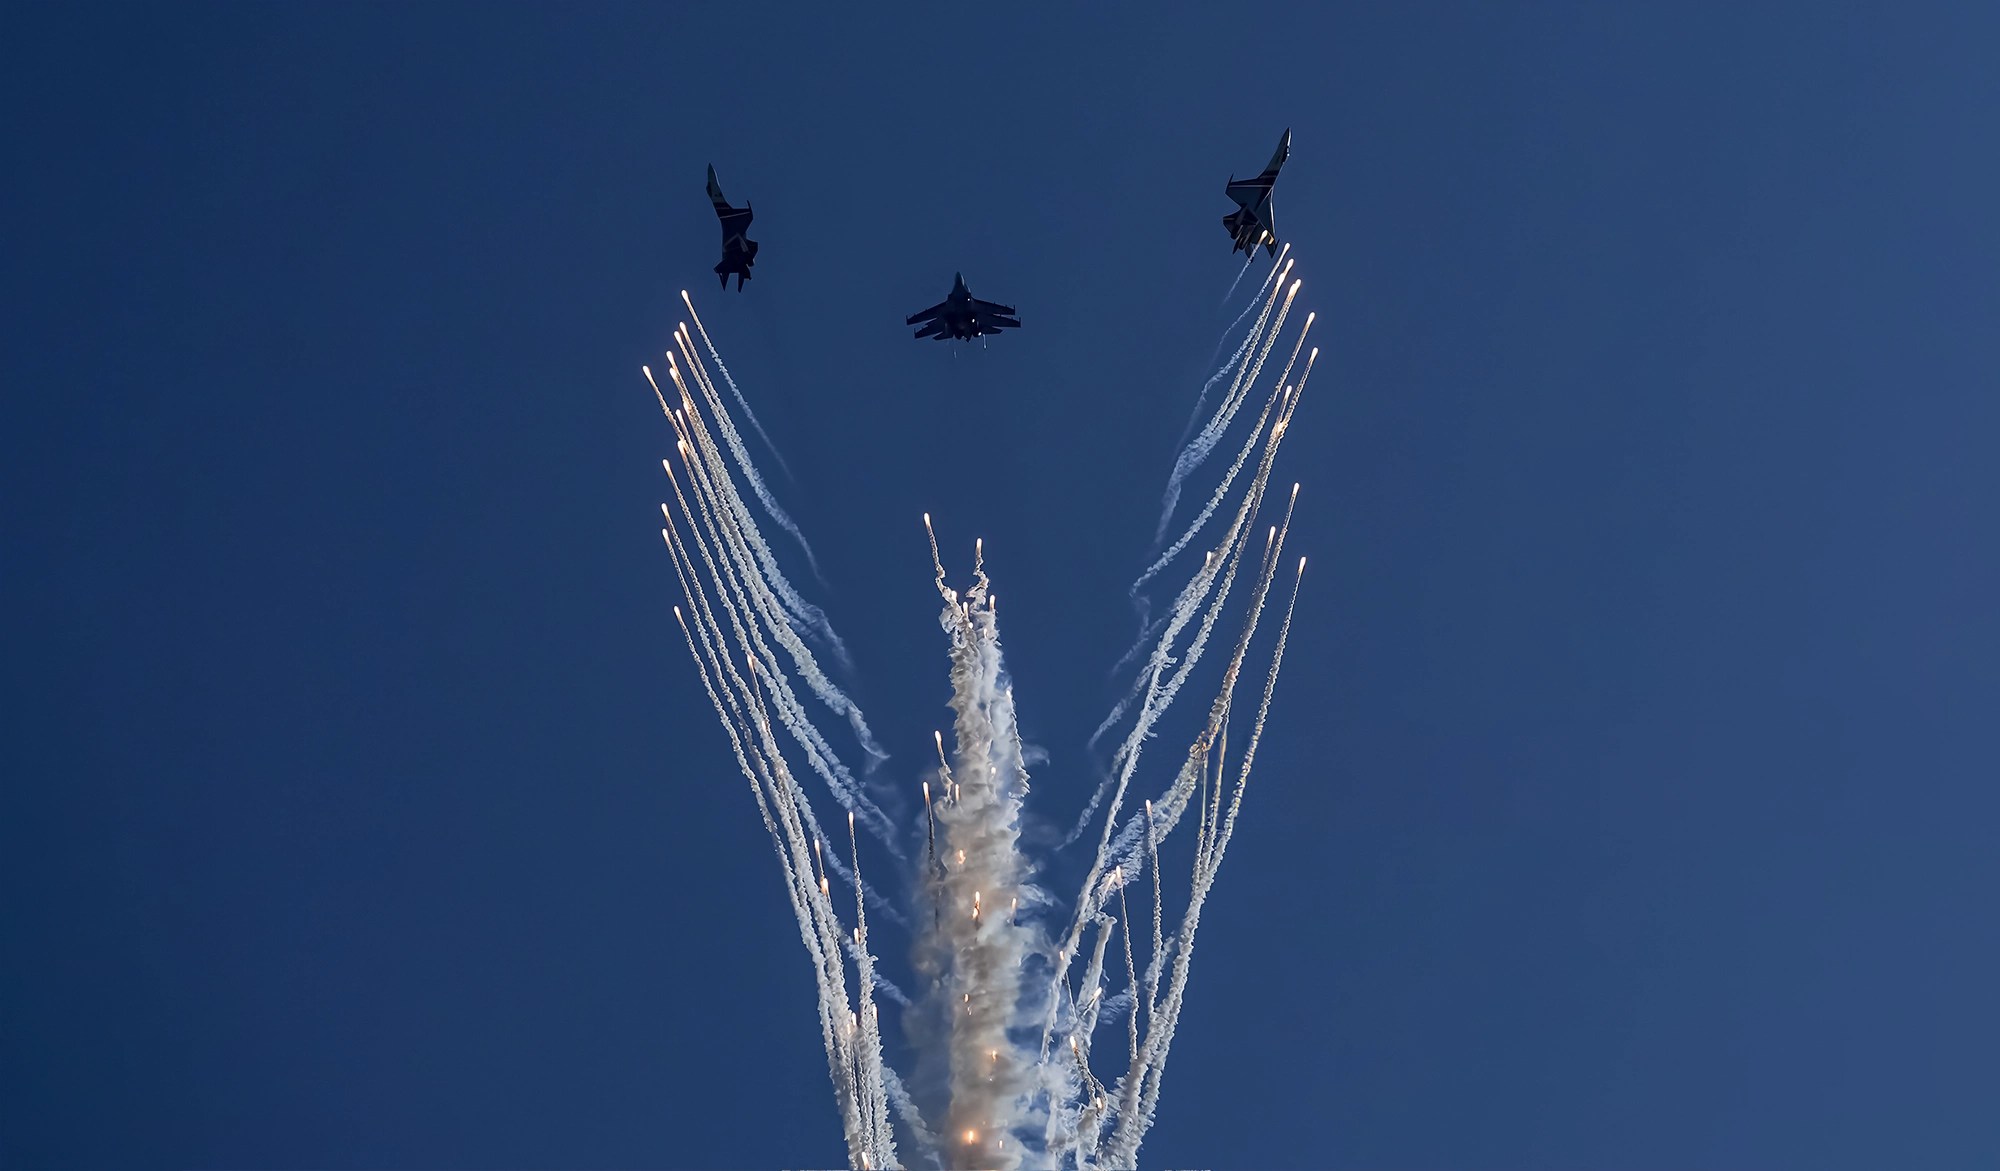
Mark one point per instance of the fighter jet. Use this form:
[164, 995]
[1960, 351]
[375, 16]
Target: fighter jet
[1252, 223]
[738, 251]
[963, 316]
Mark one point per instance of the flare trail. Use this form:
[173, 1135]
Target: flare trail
[1012, 984]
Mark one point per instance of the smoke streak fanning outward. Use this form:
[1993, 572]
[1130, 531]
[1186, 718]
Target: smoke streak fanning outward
[1194, 454]
[745, 404]
[1016, 986]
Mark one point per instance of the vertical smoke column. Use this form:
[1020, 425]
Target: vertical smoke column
[977, 948]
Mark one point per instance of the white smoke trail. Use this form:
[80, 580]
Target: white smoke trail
[1184, 606]
[1221, 372]
[771, 581]
[977, 949]
[1146, 1076]
[742, 402]
[1195, 526]
[805, 612]
[743, 722]
[790, 712]
[1247, 262]
[1123, 845]
[869, 1065]
[1196, 452]
[1132, 1112]
[851, 1037]
[906, 1109]
[1160, 696]
[1140, 603]
[1222, 490]
[1263, 288]
[734, 532]
[1004, 1102]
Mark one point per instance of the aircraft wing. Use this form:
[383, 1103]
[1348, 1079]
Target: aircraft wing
[1250, 192]
[928, 314]
[988, 307]
[735, 221]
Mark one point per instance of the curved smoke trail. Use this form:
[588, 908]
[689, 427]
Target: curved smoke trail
[729, 526]
[1247, 262]
[1222, 371]
[1193, 455]
[805, 612]
[744, 403]
[1148, 631]
[1191, 594]
[771, 576]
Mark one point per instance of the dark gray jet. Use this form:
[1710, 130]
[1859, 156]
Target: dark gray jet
[1252, 223]
[963, 316]
[739, 252]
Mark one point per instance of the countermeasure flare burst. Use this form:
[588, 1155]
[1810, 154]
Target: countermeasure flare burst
[1015, 997]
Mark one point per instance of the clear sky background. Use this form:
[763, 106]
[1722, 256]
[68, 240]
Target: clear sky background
[1631, 795]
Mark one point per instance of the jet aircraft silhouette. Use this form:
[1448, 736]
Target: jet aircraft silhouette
[1252, 223]
[963, 316]
[739, 252]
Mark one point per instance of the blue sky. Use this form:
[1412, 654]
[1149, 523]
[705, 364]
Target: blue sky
[1629, 800]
